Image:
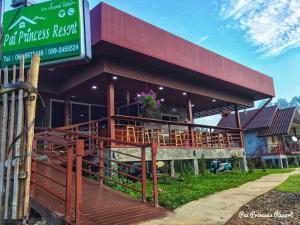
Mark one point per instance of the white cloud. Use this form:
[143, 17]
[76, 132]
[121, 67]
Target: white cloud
[271, 25]
[202, 39]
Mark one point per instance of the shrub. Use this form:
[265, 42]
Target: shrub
[165, 179]
[251, 166]
[202, 165]
[235, 158]
[296, 163]
[187, 174]
[263, 166]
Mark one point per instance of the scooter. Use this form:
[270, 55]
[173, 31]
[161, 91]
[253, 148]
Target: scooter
[217, 166]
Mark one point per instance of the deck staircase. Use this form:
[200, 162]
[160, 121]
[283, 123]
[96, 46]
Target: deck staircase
[71, 174]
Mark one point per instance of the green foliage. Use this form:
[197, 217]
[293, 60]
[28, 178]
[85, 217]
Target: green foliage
[165, 179]
[292, 184]
[202, 166]
[235, 158]
[251, 166]
[176, 194]
[283, 103]
[296, 163]
[186, 174]
[263, 166]
[165, 176]
[148, 101]
[123, 180]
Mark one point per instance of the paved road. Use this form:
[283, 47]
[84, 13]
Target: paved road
[220, 207]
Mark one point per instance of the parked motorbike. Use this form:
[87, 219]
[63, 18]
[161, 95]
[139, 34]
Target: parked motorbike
[217, 166]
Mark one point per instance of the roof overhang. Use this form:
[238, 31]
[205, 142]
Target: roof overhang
[113, 26]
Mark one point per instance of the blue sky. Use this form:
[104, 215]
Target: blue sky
[261, 34]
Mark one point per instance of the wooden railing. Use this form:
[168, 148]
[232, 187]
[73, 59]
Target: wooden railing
[58, 151]
[66, 151]
[175, 134]
[294, 147]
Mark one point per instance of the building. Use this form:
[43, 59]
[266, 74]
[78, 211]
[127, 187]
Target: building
[274, 135]
[95, 101]
[130, 56]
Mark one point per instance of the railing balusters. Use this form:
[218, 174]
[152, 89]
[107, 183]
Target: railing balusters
[154, 173]
[144, 175]
[101, 164]
[78, 198]
[69, 176]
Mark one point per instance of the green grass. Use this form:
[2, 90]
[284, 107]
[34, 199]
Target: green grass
[176, 193]
[292, 184]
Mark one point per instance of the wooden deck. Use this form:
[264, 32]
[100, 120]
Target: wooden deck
[100, 204]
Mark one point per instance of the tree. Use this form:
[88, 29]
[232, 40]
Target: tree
[282, 103]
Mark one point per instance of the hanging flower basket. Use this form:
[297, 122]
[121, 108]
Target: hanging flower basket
[147, 101]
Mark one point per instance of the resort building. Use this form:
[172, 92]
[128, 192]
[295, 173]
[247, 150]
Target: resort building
[100, 102]
[274, 135]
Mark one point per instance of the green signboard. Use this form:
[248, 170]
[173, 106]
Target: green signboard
[57, 30]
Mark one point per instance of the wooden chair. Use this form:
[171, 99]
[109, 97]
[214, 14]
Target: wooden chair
[229, 140]
[130, 133]
[145, 135]
[221, 142]
[198, 139]
[185, 136]
[207, 138]
[178, 138]
[160, 137]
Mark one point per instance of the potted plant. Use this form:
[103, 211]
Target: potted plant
[147, 102]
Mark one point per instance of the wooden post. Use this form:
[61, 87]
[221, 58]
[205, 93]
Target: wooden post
[283, 146]
[33, 166]
[190, 120]
[154, 173]
[18, 143]
[67, 111]
[3, 143]
[239, 126]
[101, 164]
[110, 108]
[69, 188]
[31, 108]
[144, 178]
[79, 154]
[10, 142]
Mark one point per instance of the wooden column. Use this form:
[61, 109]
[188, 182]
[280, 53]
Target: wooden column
[283, 146]
[110, 108]
[238, 125]
[67, 111]
[190, 119]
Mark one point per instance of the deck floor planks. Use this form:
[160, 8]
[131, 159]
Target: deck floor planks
[100, 204]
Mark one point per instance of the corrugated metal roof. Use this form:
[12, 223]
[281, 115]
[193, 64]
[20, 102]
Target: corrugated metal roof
[281, 123]
[270, 121]
[262, 120]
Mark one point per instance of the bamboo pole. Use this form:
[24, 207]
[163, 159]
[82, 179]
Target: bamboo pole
[10, 142]
[33, 80]
[22, 171]
[3, 143]
[18, 144]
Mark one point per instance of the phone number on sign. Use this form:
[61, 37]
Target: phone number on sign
[63, 49]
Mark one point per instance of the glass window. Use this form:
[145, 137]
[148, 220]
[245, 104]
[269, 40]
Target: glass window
[80, 113]
[57, 114]
[98, 112]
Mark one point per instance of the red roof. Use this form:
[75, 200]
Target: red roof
[113, 26]
[280, 124]
[262, 120]
[270, 121]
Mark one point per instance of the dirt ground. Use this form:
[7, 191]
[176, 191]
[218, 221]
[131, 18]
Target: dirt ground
[271, 208]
